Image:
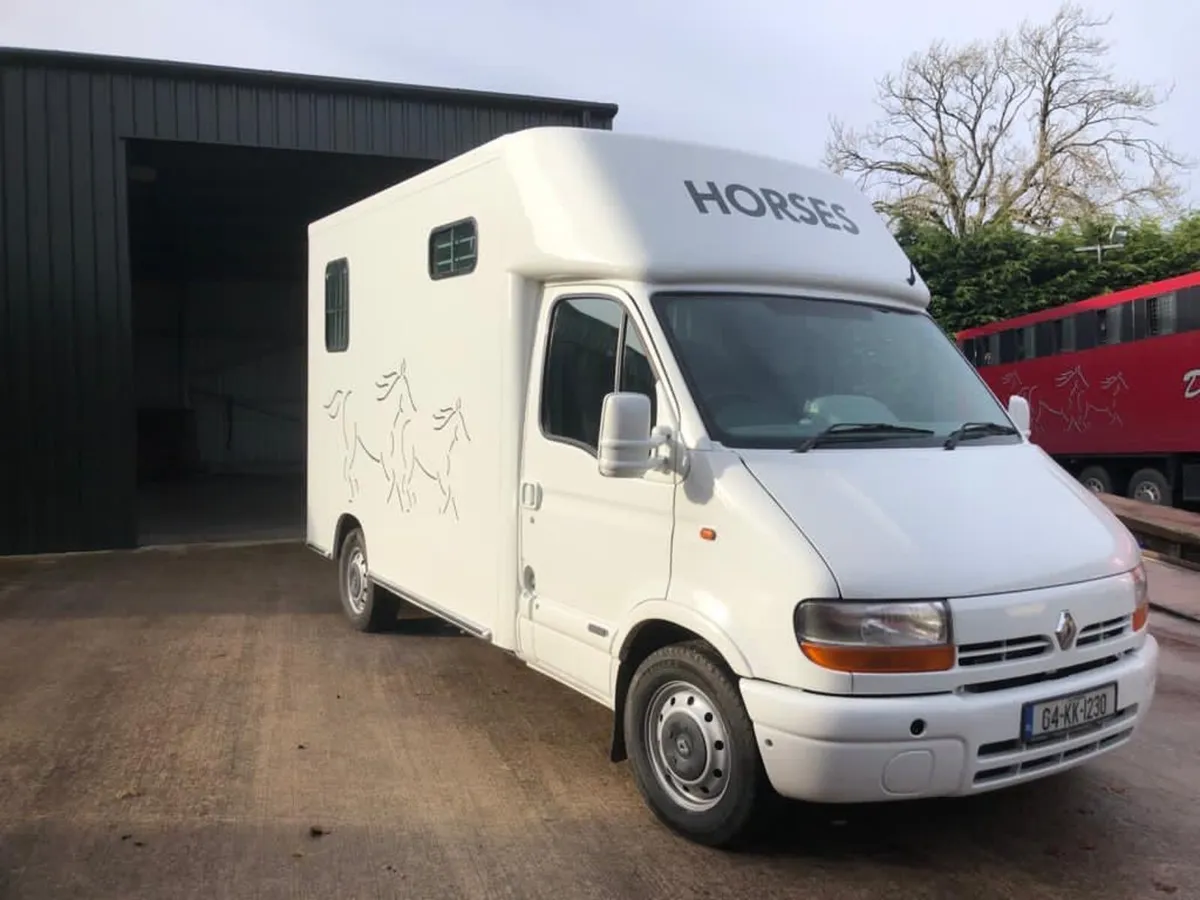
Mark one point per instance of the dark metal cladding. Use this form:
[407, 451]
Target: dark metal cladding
[67, 442]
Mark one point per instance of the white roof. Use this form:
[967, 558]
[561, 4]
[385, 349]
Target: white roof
[604, 204]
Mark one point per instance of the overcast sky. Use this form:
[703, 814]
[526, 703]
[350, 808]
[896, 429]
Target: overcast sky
[763, 74]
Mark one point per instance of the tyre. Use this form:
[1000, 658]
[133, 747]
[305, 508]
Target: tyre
[1096, 479]
[692, 746]
[1150, 486]
[368, 607]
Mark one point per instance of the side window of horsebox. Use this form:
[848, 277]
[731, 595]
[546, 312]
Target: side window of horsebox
[337, 306]
[970, 349]
[1161, 317]
[1008, 346]
[1187, 309]
[1087, 330]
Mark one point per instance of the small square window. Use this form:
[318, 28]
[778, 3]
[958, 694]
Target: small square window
[453, 250]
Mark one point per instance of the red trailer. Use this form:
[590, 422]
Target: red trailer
[1113, 385]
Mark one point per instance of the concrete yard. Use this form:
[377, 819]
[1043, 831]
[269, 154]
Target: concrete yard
[202, 723]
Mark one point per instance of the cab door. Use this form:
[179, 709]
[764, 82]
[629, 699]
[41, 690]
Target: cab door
[592, 547]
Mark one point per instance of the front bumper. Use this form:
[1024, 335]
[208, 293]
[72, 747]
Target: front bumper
[854, 749]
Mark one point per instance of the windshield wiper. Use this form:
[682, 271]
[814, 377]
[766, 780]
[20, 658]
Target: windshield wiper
[857, 429]
[973, 430]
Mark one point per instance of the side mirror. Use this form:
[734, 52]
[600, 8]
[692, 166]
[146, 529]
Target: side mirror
[626, 443]
[1018, 411]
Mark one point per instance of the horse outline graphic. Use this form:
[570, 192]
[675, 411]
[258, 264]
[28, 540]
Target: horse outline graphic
[429, 449]
[401, 442]
[1077, 411]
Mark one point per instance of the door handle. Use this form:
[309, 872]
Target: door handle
[531, 495]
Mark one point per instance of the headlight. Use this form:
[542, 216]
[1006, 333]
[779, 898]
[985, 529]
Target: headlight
[1141, 598]
[876, 637]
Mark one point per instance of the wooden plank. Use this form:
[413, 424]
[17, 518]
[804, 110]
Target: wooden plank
[1172, 560]
[1170, 533]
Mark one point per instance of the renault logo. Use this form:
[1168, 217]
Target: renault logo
[1066, 630]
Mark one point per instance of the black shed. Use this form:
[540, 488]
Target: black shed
[152, 266]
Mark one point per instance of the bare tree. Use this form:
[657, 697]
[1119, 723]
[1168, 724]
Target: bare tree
[1034, 128]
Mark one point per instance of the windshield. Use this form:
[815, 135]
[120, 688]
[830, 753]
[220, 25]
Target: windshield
[772, 371]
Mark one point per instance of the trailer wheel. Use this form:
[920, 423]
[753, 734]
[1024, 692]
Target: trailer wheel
[368, 607]
[1150, 486]
[1096, 479]
[692, 746]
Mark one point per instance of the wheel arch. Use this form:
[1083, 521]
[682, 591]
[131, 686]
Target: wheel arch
[659, 624]
[346, 523]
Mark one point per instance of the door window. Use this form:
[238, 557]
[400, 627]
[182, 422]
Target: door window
[637, 373]
[593, 348]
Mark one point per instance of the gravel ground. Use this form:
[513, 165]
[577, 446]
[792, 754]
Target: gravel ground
[203, 724]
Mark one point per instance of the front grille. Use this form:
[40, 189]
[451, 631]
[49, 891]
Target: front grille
[1004, 684]
[986, 662]
[991, 652]
[1103, 632]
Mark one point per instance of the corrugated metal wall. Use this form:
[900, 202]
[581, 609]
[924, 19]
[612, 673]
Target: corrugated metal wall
[67, 438]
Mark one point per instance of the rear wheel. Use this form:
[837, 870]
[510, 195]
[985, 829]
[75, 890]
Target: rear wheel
[692, 746]
[1096, 479]
[369, 608]
[1150, 486]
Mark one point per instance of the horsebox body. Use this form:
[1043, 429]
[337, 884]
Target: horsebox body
[673, 425]
[428, 314]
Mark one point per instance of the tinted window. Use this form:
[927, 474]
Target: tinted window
[1065, 329]
[581, 367]
[975, 350]
[1087, 330]
[983, 351]
[1046, 337]
[637, 374]
[1187, 309]
[453, 250]
[337, 306]
[1009, 349]
[1125, 319]
[1026, 346]
[1140, 324]
[991, 352]
[770, 371]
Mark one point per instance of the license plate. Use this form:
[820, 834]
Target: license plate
[1065, 713]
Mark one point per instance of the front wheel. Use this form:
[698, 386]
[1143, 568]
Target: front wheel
[692, 746]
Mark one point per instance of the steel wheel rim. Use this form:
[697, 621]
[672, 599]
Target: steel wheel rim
[1094, 485]
[1147, 493]
[356, 581]
[687, 740]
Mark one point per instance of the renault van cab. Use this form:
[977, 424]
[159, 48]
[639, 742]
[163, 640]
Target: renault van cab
[673, 425]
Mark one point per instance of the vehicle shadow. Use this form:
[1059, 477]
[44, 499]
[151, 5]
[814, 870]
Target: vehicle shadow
[1062, 822]
[413, 621]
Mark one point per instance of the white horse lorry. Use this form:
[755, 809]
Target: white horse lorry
[672, 424]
